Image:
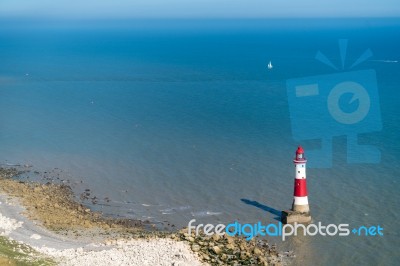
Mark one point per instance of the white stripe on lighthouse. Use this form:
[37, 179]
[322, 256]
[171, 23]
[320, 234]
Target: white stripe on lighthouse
[300, 200]
[300, 171]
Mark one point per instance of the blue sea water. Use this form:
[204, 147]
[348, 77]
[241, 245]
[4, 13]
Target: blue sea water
[180, 120]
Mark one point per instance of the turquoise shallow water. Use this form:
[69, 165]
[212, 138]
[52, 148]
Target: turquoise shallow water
[177, 122]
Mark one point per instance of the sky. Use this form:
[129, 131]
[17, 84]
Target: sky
[103, 9]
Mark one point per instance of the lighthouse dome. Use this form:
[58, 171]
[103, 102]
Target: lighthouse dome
[299, 150]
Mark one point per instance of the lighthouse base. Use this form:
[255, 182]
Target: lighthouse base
[290, 217]
[300, 208]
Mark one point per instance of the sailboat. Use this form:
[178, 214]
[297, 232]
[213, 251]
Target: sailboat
[270, 65]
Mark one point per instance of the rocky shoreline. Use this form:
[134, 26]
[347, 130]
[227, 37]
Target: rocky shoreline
[53, 206]
[227, 250]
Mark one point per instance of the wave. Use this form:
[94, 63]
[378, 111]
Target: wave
[385, 61]
[205, 213]
[175, 209]
[10, 164]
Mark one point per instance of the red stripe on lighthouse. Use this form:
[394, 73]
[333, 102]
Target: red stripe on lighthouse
[300, 188]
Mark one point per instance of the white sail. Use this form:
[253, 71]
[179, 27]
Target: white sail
[270, 65]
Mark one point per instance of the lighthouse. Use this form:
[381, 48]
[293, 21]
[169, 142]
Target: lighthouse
[300, 211]
[300, 195]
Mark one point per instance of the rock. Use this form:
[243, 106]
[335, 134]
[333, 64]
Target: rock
[217, 250]
[190, 239]
[216, 237]
[230, 239]
[205, 257]
[87, 224]
[263, 262]
[235, 263]
[257, 251]
[224, 257]
[107, 226]
[195, 247]
[243, 255]
[230, 246]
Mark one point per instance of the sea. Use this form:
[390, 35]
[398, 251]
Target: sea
[172, 120]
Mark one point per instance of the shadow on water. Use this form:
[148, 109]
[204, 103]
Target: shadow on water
[264, 208]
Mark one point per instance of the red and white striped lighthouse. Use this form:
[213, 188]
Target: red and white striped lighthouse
[300, 201]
